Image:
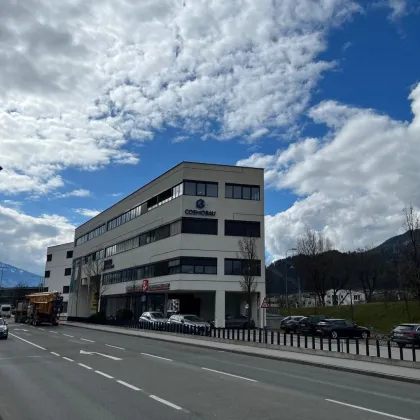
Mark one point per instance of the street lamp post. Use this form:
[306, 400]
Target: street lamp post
[287, 286]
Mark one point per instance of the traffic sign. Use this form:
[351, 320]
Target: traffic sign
[269, 302]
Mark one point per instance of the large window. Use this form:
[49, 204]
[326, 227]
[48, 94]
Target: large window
[90, 235]
[150, 204]
[69, 254]
[201, 188]
[242, 192]
[47, 274]
[242, 228]
[185, 265]
[236, 267]
[49, 257]
[199, 226]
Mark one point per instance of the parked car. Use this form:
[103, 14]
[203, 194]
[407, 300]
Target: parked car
[337, 328]
[308, 324]
[406, 334]
[4, 331]
[283, 321]
[153, 318]
[237, 321]
[292, 323]
[5, 311]
[191, 323]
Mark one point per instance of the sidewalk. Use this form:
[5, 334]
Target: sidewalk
[405, 374]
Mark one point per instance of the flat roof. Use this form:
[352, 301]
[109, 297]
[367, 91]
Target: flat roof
[161, 175]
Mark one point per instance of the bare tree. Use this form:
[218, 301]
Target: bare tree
[93, 269]
[411, 253]
[249, 256]
[313, 261]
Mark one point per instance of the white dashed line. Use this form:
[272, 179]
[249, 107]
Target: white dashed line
[42, 329]
[128, 385]
[71, 336]
[229, 374]
[85, 339]
[115, 347]
[157, 357]
[26, 341]
[85, 366]
[104, 374]
[54, 332]
[368, 409]
[55, 354]
[177, 407]
[67, 358]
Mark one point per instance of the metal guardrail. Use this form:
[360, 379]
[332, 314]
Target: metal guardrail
[366, 347]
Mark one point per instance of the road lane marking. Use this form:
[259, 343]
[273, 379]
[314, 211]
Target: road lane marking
[85, 339]
[100, 354]
[104, 374]
[177, 407]
[26, 341]
[230, 374]
[115, 347]
[67, 358]
[128, 385]
[55, 354]
[85, 366]
[42, 329]
[71, 336]
[54, 332]
[157, 357]
[367, 409]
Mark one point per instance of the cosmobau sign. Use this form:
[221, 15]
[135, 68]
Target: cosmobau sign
[199, 210]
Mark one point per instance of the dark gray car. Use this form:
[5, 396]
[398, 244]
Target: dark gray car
[191, 323]
[406, 334]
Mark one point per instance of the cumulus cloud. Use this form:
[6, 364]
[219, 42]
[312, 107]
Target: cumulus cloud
[24, 238]
[79, 81]
[87, 212]
[352, 184]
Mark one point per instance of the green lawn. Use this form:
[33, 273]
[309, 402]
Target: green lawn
[381, 317]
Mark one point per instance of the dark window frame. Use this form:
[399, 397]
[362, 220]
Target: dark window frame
[66, 289]
[69, 254]
[67, 271]
[239, 267]
[242, 186]
[206, 184]
[47, 274]
[49, 257]
[209, 226]
[232, 228]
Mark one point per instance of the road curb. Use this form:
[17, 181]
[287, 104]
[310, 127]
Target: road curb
[213, 345]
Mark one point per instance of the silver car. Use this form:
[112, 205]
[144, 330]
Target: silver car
[154, 320]
[190, 323]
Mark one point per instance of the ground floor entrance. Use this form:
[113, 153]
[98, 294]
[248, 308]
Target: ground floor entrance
[212, 306]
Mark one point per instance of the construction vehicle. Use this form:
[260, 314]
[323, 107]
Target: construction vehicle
[38, 308]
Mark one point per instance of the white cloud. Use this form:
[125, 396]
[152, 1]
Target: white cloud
[180, 139]
[352, 184]
[87, 212]
[75, 193]
[24, 239]
[78, 80]
[398, 8]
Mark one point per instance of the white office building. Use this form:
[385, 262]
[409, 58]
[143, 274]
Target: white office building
[58, 269]
[173, 245]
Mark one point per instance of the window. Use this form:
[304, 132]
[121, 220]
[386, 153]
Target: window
[242, 192]
[47, 274]
[237, 267]
[176, 227]
[199, 226]
[49, 257]
[91, 235]
[69, 254]
[201, 188]
[67, 271]
[198, 265]
[242, 228]
[66, 289]
[163, 232]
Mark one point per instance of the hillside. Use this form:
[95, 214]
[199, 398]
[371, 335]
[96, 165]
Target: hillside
[13, 276]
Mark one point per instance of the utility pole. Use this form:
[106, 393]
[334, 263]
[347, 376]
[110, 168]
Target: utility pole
[287, 286]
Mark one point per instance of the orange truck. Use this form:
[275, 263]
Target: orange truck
[38, 308]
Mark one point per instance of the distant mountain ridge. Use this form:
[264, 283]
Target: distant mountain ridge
[14, 276]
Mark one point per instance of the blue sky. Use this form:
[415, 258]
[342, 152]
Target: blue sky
[320, 98]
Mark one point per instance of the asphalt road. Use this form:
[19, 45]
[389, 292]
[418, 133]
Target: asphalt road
[68, 372]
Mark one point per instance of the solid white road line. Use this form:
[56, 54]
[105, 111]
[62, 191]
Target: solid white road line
[67, 358]
[26, 341]
[85, 339]
[128, 385]
[157, 357]
[115, 347]
[54, 332]
[368, 409]
[85, 366]
[71, 336]
[230, 374]
[55, 354]
[177, 407]
[104, 374]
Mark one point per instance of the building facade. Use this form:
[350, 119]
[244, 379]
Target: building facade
[174, 245]
[58, 270]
